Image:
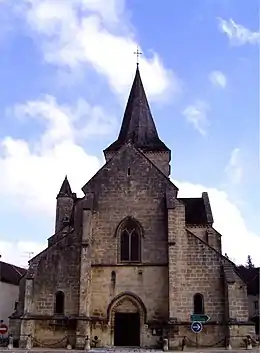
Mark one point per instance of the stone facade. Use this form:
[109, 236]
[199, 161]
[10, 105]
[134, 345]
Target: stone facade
[130, 249]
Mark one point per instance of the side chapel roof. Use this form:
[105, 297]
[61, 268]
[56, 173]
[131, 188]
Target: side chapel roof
[194, 211]
[10, 273]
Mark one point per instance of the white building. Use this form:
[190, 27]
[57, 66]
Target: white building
[10, 276]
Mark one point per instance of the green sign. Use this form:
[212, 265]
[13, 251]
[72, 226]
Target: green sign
[199, 318]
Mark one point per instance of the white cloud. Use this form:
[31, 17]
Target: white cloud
[237, 240]
[20, 252]
[65, 122]
[234, 168]
[238, 34]
[76, 32]
[197, 115]
[32, 172]
[218, 79]
[72, 33]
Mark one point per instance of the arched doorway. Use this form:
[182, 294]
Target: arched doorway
[126, 315]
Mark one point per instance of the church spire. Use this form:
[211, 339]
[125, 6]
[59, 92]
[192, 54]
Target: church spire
[138, 126]
[65, 189]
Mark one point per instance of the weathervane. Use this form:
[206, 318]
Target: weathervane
[137, 53]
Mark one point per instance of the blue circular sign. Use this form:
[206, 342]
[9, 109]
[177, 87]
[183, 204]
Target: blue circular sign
[196, 327]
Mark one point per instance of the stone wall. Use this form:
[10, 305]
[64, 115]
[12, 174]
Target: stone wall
[161, 160]
[204, 275]
[237, 300]
[47, 334]
[209, 235]
[129, 186]
[58, 270]
[193, 268]
[200, 231]
[149, 283]
[64, 208]
[118, 195]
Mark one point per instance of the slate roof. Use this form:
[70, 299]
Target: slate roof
[195, 212]
[138, 126]
[65, 189]
[10, 273]
[251, 278]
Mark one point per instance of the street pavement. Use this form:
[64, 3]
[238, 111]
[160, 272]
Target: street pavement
[126, 350]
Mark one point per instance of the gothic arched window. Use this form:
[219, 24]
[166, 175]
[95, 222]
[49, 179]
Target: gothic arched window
[198, 304]
[59, 303]
[130, 241]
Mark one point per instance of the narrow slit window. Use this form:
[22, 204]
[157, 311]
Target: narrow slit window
[198, 302]
[113, 276]
[59, 303]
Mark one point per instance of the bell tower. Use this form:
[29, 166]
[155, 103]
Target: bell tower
[138, 128]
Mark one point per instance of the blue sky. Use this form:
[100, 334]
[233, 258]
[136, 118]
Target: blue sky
[66, 68]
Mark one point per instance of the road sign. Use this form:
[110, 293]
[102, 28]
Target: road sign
[3, 329]
[196, 327]
[199, 318]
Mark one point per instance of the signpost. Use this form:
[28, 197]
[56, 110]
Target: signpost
[196, 327]
[3, 329]
[199, 318]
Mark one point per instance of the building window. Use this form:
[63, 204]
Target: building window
[15, 306]
[198, 304]
[130, 239]
[59, 303]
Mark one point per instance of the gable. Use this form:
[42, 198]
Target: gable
[203, 253]
[229, 268]
[129, 164]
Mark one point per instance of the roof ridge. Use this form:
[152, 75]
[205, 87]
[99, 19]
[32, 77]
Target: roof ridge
[16, 269]
[9, 264]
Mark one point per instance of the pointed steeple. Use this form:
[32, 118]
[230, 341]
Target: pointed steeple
[138, 126]
[65, 189]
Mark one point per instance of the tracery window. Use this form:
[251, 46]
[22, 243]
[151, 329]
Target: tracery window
[198, 304]
[59, 303]
[130, 241]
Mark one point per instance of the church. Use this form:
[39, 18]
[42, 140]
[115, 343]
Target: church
[130, 262]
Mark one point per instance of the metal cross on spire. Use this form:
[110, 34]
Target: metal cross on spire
[137, 53]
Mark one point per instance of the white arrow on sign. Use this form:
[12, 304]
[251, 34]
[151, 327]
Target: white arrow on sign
[196, 327]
